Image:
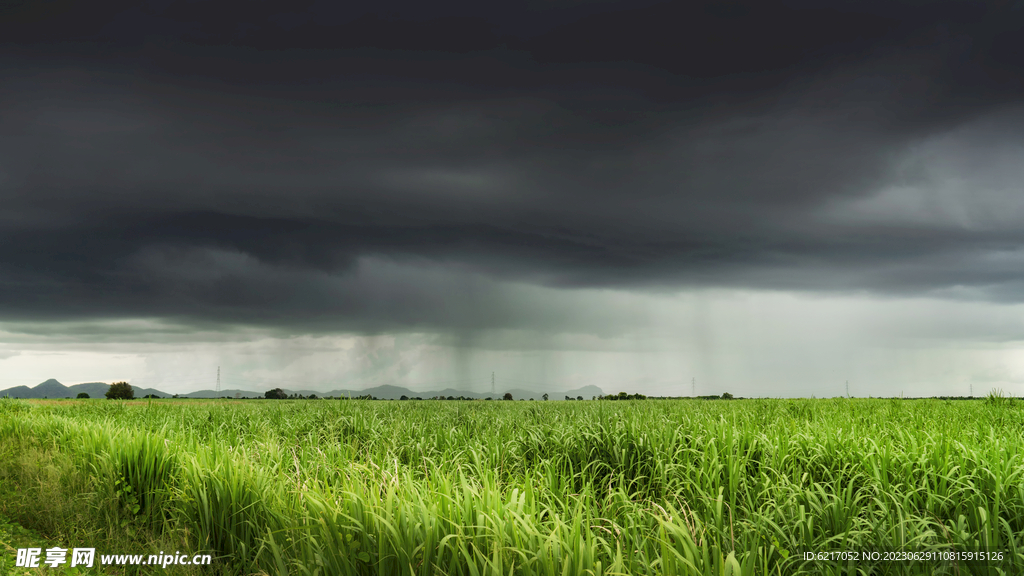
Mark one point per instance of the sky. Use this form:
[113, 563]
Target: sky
[766, 198]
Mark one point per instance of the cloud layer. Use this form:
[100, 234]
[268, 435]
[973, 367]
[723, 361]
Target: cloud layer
[407, 168]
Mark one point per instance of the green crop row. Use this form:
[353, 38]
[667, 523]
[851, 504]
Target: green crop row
[473, 488]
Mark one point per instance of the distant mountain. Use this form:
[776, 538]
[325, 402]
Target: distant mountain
[94, 389]
[49, 389]
[54, 389]
[228, 393]
[389, 392]
[99, 390]
[17, 392]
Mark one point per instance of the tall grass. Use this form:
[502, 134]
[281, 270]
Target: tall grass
[488, 488]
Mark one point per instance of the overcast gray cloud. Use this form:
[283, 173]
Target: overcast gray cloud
[461, 169]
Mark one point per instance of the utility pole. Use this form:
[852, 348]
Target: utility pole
[847, 388]
[972, 389]
[218, 381]
[492, 384]
[693, 387]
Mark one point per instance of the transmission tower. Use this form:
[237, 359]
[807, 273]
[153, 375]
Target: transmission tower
[492, 384]
[218, 380]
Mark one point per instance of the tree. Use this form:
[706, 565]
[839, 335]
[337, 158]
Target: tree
[83, 395]
[508, 395]
[726, 396]
[275, 394]
[404, 397]
[545, 396]
[120, 391]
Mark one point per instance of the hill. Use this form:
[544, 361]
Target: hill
[389, 392]
[54, 389]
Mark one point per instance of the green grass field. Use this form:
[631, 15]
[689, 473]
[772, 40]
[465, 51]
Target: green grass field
[548, 488]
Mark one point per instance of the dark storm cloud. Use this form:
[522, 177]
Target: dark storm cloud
[324, 166]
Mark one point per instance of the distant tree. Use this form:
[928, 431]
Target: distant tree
[120, 391]
[580, 398]
[531, 399]
[148, 396]
[404, 397]
[726, 396]
[545, 396]
[623, 396]
[275, 394]
[175, 396]
[83, 395]
[313, 397]
[508, 395]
